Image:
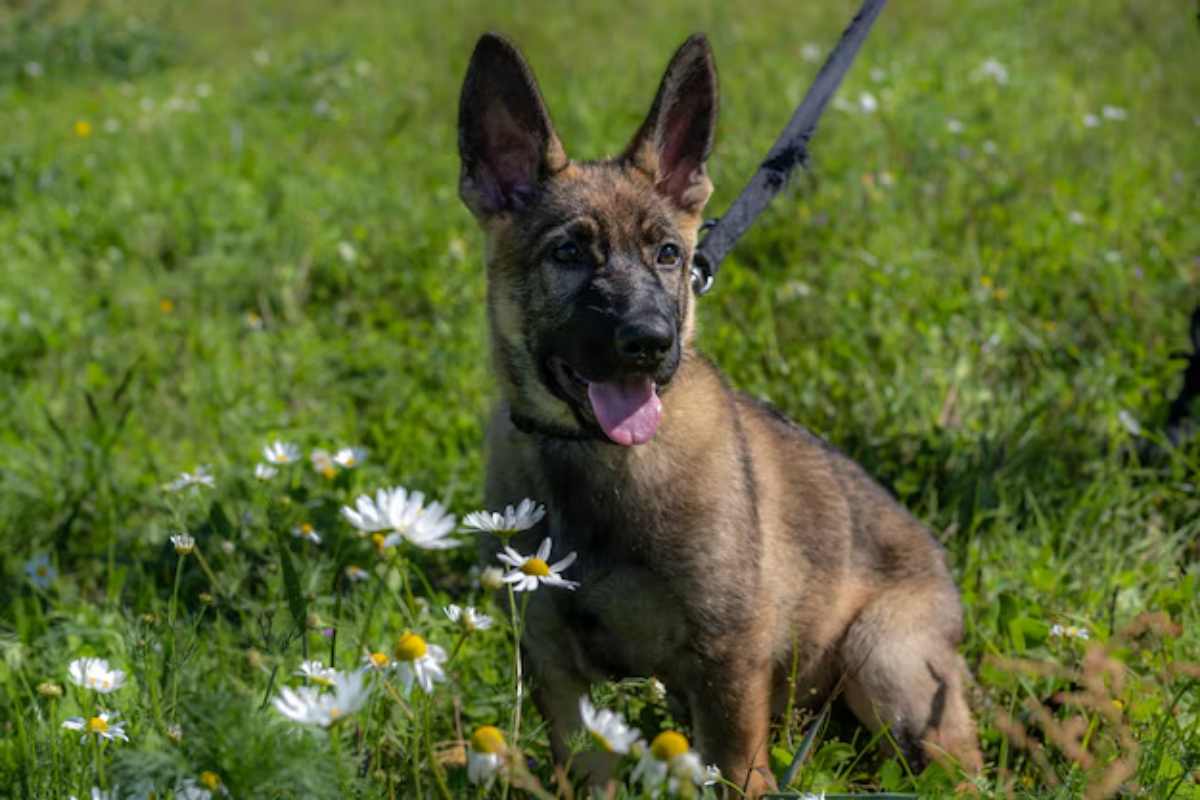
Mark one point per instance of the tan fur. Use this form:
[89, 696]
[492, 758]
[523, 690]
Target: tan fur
[734, 536]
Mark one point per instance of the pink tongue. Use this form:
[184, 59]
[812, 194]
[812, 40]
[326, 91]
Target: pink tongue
[627, 410]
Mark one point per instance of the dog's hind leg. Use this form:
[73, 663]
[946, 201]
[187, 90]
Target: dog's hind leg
[903, 672]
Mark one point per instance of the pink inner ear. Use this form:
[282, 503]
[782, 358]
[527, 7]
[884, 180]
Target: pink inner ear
[681, 153]
[511, 161]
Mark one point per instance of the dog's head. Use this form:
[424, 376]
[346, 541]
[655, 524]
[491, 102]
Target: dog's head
[589, 293]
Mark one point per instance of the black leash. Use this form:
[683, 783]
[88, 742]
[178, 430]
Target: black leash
[788, 153]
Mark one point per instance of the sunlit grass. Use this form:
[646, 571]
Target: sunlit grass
[226, 225]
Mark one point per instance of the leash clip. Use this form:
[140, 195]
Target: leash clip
[702, 279]
[702, 271]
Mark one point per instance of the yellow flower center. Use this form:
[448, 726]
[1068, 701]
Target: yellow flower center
[210, 779]
[83, 128]
[42, 572]
[536, 567]
[410, 647]
[333, 712]
[379, 659]
[306, 528]
[351, 462]
[377, 540]
[97, 725]
[487, 739]
[329, 472]
[668, 745]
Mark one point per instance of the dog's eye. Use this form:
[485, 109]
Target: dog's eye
[669, 255]
[568, 253]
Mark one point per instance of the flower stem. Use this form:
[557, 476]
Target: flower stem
[402, 565]
[517, 685]
[336, 739]
[174, 665]
[433, 764]
[99, 761]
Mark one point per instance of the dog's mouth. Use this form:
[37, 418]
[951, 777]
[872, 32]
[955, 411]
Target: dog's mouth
[626, 408]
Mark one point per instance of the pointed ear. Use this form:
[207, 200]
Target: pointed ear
[505, 137]
[677, 137]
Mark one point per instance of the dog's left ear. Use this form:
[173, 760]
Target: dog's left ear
[505, 137]
[676, 139]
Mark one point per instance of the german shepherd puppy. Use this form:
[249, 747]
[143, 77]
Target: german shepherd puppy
[715, 537]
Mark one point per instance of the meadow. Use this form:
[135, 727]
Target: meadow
[225, 225]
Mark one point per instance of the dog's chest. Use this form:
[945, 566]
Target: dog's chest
[625, 616]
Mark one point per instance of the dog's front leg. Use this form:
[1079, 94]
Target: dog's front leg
[550, 668]
[731, 715]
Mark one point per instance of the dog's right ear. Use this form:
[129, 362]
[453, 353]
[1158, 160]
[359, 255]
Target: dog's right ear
[505, 137]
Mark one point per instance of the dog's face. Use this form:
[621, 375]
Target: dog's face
[588, 263]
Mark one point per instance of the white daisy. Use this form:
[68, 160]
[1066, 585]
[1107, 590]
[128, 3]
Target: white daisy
[188, 790]
[491, 578]
[485, 755]
[668, 763]
[308, 706]
[995, 70]
[316, 672]
[531, 571]
[264, 472]
[371, 515]
[193, 480]
[98, 794]
[356, 574]
[468, 618]
[406, 516]
[375, 662]
[417, 660]
[102, 727]
[39, 570]
[278, 452]
[183, 543]
[323, 463]
[513, 520]
[1070, 632]
[350, 457]
[307, 532]
[606, 728]
[95, 674]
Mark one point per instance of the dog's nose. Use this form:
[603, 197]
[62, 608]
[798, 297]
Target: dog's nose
[646, 341]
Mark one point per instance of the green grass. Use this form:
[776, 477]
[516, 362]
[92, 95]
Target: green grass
[964, 293]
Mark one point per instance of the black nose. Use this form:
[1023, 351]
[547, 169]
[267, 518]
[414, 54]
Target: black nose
[646, 341]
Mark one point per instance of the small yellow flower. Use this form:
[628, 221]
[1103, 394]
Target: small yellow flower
[166, 306]
[487, 739]
[667, 745]
[1118, 705]
[83, 128]
[536, 567]
[210, 779]
[410, 647]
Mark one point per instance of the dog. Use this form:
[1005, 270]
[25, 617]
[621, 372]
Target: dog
[716, 538]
